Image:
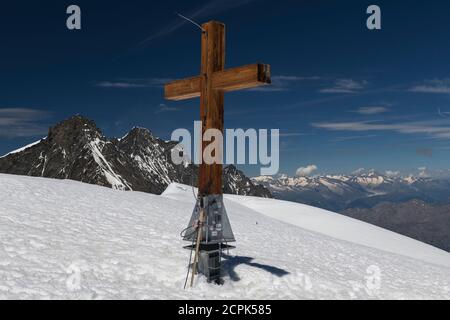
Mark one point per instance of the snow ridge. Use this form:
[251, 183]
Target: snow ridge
[23, 148]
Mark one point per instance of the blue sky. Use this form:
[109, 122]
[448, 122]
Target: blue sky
[343, 97]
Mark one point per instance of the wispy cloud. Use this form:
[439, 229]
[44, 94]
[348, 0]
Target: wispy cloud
[349, 138]
[346, 86]
[441, 86]
[133, 83]
[119, 85]
[391, 173]
[371, 110]
[293, 134]
[439, 129]
[22, 122]
[165, 108]
[359, 171]
[306, 171]
[423, 172]
[211, 8]
[284, 83]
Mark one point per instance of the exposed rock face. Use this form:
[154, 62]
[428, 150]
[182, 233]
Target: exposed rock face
[415, 219]
[76, 149]
[235, 182]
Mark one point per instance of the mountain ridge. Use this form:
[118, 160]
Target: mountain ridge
[363, 190]
[76, 149]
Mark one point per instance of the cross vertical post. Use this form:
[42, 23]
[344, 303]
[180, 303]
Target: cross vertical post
[211, 102]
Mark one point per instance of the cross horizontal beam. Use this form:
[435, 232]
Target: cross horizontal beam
[245, 77]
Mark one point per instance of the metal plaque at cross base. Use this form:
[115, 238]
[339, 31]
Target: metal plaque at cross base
[217, 228]
[209, 229]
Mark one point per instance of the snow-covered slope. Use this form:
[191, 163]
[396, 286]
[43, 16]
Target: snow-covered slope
[65, 239]
[345, 228]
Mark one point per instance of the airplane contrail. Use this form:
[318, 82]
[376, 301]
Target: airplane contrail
[211, 8]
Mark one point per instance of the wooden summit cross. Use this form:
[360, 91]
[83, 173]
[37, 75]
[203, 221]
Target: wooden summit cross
[209, 219]
[210, 86]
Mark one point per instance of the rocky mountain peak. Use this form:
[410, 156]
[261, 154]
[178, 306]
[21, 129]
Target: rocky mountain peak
[73, 131]
[235, 182]
[139, 139]
[231, 169]
[138, 132]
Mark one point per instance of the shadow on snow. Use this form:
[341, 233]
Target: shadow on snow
[231, 262]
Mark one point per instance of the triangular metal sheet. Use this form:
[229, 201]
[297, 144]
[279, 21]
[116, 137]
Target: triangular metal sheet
[217, 227]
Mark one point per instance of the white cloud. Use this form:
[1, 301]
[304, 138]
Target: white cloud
[423, 172]
[165, 108]
[306, 171]
[22, 122]
[294, 78]
[354, 137]
[346, 86]
[284, 83]
[291, 134]
[359, 171]
[439, 129]
[391, 173]
[441, 86]
[133, 83]
[120, 85]
[371, 110]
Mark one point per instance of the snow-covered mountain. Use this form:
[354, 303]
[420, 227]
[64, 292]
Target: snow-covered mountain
[65, 239]
[76, 149]
[364, 190]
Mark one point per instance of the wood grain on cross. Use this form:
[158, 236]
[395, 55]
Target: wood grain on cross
[210, 86]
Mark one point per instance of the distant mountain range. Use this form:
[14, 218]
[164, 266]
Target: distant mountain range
[76, 149]
[365, 190]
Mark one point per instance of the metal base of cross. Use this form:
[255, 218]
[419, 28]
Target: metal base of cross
[215, 235]
[210, 261]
